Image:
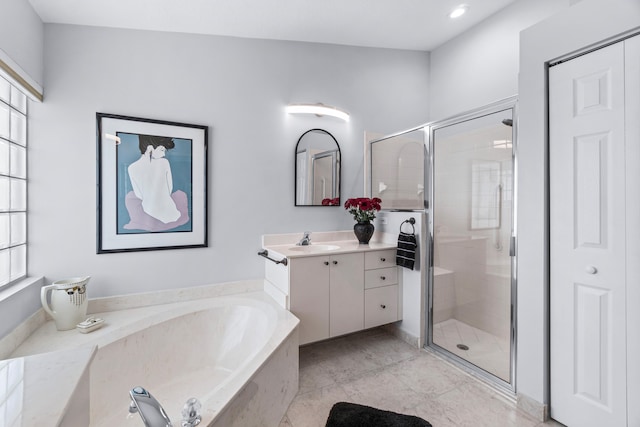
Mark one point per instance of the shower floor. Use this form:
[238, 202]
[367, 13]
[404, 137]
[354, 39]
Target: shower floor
[486, 351]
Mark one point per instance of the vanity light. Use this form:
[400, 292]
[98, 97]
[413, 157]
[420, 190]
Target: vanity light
[458, 11]
[318, 110]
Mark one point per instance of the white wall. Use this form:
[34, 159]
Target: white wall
[587, 23]
[237, 87]
[481, 65]
[21, 38]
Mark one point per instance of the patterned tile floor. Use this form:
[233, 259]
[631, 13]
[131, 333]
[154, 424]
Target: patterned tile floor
[375, 368]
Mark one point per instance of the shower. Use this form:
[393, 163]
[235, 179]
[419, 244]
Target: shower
[471, 284]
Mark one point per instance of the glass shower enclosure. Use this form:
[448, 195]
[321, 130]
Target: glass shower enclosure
[472, 275]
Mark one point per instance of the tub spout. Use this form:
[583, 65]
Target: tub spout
[150, 410]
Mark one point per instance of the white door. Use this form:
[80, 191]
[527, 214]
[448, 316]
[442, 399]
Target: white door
[632, 124]
[587, 239]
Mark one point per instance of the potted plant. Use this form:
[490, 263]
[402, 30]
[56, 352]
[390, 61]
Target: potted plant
[363, 210]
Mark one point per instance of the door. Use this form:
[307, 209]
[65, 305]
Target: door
[587, 239]
[472, 221]
[309, 296]
[346, 294]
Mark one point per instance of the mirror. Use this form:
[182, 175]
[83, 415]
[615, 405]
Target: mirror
[317, 169]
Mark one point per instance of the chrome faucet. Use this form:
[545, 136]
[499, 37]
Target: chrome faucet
[150, 410]
[306, 240]
[153, 414]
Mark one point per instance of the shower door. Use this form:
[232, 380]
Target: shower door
[471, 279]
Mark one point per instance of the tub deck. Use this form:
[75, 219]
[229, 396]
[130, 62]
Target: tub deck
[212, 383]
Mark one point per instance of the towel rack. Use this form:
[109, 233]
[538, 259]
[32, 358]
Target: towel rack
[265, 254]
[411, 221]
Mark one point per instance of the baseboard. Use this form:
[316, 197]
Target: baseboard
[537, 410]
[394, 329]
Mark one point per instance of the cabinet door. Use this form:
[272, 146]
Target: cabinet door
[381, 306]
[346, 294]
[309, 300]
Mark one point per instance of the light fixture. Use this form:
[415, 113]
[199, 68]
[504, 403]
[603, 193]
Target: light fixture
[458, 11]
[318, 110]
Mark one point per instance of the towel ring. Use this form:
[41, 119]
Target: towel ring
[411, 221]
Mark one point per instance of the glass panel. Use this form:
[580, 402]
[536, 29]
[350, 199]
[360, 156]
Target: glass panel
[5, 121]
[397, 170]
[4, 157]
[5, 90]
[18, 128]
[4, 230]
[5, 263]
[18, 161]
[18, 262]
[18, 195]
[472, 225]
[5, 200]
[18, 228]
[18, 100]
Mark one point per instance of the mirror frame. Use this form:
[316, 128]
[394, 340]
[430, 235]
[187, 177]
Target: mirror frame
[338, 172]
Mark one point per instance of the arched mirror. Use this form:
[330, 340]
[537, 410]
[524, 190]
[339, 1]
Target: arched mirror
[317, 169]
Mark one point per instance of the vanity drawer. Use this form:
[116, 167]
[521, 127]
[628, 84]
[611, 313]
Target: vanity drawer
[379, 259]
[380, 277]
[380, 306]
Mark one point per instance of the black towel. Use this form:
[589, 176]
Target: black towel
[406, 253]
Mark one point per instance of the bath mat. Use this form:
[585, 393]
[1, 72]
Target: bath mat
[344, 414]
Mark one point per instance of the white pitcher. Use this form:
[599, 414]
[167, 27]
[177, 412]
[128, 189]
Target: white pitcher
[68, 301]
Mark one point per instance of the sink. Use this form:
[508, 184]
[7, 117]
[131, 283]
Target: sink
[314, 248]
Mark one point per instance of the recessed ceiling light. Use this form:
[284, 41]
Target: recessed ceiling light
[458, 11]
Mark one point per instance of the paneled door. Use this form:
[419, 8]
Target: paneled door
[588, 238]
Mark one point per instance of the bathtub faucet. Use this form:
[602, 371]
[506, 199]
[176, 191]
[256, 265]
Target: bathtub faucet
[150, 410]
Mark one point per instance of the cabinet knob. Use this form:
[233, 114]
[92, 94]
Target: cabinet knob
[383, 278]
[326, 263]
[591, 269]
[383, 259]
[335, 262]
[383, 306]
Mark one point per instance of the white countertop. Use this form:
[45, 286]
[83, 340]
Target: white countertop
[291, 250]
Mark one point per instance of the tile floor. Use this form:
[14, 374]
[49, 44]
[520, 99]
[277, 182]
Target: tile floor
[487, 351]
[375, 368]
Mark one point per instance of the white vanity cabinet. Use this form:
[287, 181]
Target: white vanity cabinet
[339, 293]
[382, 290]
[327, 294]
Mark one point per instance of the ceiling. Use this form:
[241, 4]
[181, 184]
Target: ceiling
[398, 24]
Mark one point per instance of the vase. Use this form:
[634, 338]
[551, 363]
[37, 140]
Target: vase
[363, 232]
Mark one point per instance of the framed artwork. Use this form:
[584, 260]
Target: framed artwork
[152, 184]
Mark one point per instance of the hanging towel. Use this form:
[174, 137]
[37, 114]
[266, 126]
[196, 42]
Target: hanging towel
[406, 252]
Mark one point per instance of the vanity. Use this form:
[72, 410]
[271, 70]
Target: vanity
[335, 286]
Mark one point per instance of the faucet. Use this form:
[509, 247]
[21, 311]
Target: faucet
[153, 414]
[306, 240]
[150, 410]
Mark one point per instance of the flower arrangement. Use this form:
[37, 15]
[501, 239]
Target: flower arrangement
[363, 209]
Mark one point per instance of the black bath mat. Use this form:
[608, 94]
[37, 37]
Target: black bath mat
[345, 414]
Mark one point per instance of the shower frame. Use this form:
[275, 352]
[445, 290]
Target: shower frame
[508, 388]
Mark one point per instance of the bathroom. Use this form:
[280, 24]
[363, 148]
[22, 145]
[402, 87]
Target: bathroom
[239, 87]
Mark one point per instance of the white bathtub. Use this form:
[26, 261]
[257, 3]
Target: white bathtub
[237, 354]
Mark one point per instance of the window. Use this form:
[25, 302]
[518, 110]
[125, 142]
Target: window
[13, 183]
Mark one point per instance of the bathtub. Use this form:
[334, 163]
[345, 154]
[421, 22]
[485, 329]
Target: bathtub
[237, 354]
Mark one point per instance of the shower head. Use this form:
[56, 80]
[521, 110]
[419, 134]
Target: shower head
[507, 122]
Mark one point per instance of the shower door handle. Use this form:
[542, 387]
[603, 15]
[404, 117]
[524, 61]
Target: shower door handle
[512, 246]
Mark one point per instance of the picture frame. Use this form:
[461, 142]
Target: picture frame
[151, 184]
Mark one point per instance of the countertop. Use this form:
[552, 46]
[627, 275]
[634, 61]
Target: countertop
[291, 250]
